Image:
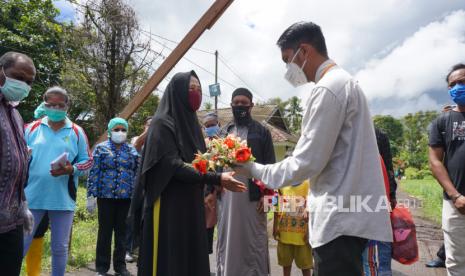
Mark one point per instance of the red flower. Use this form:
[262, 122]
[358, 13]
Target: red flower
[243, 155]
[201, 166]
[230, 143]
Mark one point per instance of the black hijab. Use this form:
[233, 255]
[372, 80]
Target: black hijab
[175, 111]
[174, 128]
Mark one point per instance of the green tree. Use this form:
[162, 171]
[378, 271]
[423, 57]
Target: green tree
[294, 114]
[393, 129]
[415, 149]
[30, 27]
[137, 121]
[208, 106]
[113, 60]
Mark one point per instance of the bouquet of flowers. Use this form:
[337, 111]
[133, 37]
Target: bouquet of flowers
[223, 153]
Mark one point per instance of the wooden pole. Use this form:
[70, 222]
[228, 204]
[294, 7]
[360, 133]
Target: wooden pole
[205, 22]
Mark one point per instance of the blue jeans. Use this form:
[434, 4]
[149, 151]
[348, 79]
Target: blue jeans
[377, 258]
[60, 223]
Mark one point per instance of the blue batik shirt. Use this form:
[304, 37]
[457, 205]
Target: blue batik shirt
[113, 172]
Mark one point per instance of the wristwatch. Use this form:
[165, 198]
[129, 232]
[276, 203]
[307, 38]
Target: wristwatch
[455, 197]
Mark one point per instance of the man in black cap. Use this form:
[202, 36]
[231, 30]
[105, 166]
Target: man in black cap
[242, 226]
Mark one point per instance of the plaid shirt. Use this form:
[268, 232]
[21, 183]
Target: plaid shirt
[13, 166]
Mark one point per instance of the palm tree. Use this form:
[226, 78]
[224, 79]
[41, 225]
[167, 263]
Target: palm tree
[294, 114]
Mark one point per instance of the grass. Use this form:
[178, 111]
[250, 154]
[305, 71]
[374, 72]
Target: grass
[430, 192]
[84, 238]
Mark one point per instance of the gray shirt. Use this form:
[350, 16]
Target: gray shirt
[337, 151]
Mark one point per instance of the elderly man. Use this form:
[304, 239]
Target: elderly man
[16, 76]
[337, 151]
[242, 226]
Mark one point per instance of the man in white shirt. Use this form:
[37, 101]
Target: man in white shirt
[337, 151]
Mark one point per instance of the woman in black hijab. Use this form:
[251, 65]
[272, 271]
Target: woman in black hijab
[172, 219]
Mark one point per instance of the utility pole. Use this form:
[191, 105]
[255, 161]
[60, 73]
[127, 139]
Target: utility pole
[216, 79]
[205, 22]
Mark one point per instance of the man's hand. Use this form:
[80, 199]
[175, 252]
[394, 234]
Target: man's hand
[230, 183]
[460, 204]
[28, 218]
[210, 201]
[67, 169]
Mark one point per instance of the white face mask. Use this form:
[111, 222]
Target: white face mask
[295, 75]
[118, 137]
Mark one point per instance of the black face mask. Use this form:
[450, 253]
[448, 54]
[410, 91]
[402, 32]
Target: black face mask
[241, 114]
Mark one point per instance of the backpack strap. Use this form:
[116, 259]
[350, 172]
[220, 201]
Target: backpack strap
[76, 131]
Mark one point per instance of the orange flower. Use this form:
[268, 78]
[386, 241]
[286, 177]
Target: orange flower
[243, 155]
[230, 143]
[201, 166]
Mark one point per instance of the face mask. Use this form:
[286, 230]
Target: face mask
[212, 131]
[14, 90]
[295, 75]
[55, 115]
[457, 93]
[118, 137]
[195, 99]
[241, 114]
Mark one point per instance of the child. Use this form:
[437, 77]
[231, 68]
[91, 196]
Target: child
[290, 229]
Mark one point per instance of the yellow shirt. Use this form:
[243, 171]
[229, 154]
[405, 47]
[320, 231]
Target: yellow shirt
[292, 227]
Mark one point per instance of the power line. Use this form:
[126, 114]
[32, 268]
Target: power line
[175, 42]
[222, 59]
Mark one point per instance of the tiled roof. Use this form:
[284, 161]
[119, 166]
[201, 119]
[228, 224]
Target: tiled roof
[268, 115]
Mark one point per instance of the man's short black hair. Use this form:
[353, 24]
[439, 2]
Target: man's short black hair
[303, 32]
[8, 59]
[456, 67]
[242, 92]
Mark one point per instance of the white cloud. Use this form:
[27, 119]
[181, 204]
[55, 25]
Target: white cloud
[419, 64]
[374, 38]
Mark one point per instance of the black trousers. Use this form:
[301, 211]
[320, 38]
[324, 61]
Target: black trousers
[11, 251]
[112, 215]
[442, 253]
[342, 257]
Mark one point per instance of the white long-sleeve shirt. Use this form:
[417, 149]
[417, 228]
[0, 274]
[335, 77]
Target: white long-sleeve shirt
[337, 151]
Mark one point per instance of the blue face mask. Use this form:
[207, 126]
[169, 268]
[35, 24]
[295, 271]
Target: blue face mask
[14, 90]
[212, 131]
[55, 115]
[457, 93]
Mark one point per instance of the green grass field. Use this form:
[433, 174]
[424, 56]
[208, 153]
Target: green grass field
[430, 192]
[84, 238]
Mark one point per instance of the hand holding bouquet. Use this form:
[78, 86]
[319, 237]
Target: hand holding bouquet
[223, 153]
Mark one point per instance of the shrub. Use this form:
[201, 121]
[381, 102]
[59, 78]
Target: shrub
[412, 173]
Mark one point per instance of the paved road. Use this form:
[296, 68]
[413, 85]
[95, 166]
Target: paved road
[429, 238]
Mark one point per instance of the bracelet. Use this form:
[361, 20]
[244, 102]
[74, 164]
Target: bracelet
[455, 197]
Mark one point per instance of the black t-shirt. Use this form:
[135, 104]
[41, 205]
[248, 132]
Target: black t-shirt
[448, 132]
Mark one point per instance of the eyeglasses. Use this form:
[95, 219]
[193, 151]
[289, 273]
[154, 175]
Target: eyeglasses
[119, 129]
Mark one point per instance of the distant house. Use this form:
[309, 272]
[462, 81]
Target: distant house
[270, 116]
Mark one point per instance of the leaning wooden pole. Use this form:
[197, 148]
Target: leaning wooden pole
[205, 22]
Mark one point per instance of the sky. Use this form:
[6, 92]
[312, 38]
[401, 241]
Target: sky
[399, 50]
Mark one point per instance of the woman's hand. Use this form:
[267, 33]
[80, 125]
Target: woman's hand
[230, 183]
[67, 169]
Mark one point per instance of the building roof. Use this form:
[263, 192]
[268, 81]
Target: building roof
[269, 115]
